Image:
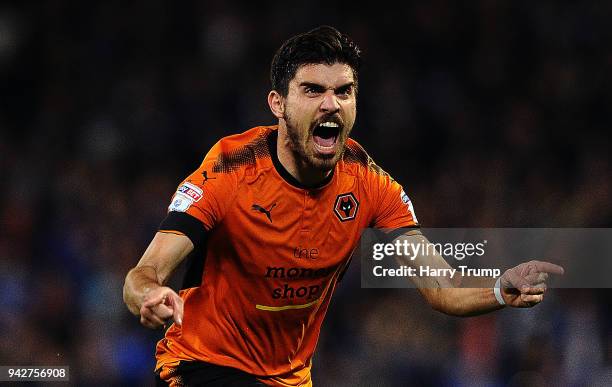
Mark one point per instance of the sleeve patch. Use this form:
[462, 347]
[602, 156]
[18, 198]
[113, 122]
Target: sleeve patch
[191, 191]
[180, 203]
[406, 200]
[185, 196]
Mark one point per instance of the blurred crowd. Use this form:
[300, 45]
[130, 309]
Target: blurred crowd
[490, 113]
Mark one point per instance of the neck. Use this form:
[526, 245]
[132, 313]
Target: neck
[297, 167]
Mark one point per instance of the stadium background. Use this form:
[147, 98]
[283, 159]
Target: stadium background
[490, 113]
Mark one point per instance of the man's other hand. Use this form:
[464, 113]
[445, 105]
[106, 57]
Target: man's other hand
[524, 285]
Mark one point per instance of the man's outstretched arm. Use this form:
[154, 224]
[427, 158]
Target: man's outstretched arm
[522, 286]
[144, 292]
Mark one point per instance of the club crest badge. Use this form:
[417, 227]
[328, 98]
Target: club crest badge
[346, 207]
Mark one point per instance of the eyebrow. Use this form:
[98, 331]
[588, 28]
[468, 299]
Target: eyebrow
[318, 87]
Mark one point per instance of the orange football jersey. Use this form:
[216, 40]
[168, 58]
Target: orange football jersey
[275, 251]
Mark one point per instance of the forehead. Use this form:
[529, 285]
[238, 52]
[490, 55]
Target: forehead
[329, 76]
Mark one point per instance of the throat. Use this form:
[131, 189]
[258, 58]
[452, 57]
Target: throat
[299, 170]
[310, 177]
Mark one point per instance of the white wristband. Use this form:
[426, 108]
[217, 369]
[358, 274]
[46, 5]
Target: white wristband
[497, 292]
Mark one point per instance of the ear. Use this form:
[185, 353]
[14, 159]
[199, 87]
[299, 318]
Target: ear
[276, 103]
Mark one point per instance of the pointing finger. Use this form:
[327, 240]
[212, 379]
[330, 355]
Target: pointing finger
[548, 267]
[177, 306]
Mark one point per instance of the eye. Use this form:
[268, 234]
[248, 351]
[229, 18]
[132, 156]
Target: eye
[312, 90]
[345, 91]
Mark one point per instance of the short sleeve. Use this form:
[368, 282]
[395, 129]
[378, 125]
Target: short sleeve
[394, 208]
[205, 194]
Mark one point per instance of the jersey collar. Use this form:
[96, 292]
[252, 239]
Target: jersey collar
[272, 143]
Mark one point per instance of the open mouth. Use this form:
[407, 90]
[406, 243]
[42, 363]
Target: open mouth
[325, 136]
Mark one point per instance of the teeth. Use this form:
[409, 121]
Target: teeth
[329, 124]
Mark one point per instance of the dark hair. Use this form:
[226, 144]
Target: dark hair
[323, 44]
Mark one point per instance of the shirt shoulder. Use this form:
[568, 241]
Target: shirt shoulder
[240, 152]
[389, 206]
[357, 162]
[209, 191]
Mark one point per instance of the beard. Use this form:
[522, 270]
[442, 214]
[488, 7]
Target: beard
[300, 143]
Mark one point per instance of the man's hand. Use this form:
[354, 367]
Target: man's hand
[524, 285]
[143, 291]
[159, 306]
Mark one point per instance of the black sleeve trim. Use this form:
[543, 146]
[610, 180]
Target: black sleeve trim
[393, 234]
[185, 224]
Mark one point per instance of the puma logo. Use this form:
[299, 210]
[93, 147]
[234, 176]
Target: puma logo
[205, 176]
[257, 207]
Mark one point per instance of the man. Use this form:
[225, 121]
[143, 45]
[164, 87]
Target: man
[277, 212]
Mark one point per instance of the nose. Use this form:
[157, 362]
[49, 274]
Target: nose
[330, 103]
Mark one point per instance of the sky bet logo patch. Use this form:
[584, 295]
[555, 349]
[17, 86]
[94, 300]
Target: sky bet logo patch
[190, 191]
